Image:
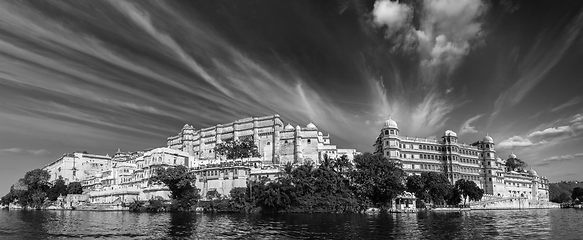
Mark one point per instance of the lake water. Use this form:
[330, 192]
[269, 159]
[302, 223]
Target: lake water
[511, 224]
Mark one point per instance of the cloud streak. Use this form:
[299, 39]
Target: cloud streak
[467, 128]
[572, 129]
[570, 103]
[560, 159]
[539, 61]
[39, 152]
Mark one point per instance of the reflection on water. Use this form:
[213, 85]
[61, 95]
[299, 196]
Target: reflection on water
[525, 224]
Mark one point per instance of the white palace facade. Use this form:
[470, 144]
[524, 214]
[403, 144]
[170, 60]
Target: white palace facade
[124, 177]
[475, 162]
[276, 144]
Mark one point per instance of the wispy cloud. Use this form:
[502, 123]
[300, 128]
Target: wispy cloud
[557, 159]
[467, 128]
[40, 152]
[572, 128]
[517, 142]
[539, 61]
[571, 102]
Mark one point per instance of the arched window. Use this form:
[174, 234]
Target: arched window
[386, 132]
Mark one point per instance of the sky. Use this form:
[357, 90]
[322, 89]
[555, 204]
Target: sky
[96, 76]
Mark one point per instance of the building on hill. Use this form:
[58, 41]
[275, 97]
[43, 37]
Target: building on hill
[73, 167]
[475, 162]
[276, 144]
[128, 180]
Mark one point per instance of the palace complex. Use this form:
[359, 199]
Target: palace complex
[277, 144]
[475, 162]
[125, 176]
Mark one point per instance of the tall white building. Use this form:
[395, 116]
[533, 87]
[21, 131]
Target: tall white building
[475, 162]
[276, 143]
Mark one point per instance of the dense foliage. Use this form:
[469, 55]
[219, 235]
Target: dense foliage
[515, 164]
[59, 188]
[237, 149]
[561, 191]
[74, 188]
[430, 187]
[181, 184]
[30, 191]
[469, 190]
[577, 195]
[334, 186]
[377, 179]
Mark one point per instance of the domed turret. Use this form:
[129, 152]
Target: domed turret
[512, 156]
[289, 127]
[390, 123]
[450, 133]
[488, 139]
[532, 172]
[311, 126]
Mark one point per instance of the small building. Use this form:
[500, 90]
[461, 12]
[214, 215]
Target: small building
[405, 202]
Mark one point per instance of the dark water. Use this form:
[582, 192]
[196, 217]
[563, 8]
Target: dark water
[525, 224]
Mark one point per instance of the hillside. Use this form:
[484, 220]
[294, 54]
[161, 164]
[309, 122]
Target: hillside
[565, 188]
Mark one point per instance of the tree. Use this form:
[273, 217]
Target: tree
[437, 186]
[577, 194]
[8, 198]
[416, 185]
[469, 190]
[180, 182]
[515, 163]
[75, 188]
[378, 145]
[377, 179]
[239, 199]
[562, 198]
[37, 185]
[37, 179]
[58, 189]
[430, 186]
[238, 149]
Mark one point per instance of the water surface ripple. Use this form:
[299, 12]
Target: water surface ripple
[518, 224]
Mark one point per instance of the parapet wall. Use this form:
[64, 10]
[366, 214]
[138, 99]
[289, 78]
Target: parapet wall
[512, 203]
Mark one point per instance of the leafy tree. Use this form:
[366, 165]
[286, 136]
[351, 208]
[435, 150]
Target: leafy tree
[562, 198]
[8, 198]
[556, 189]
[238, 149]
[239, 199]
[59, 188]
[416, 185]
[515, 163]
[430, 186]
[378, 145]
[180, 182]
[75, 188]
[469, 190]
[377, 179]
[577, 194]
[37, 186]
[437, 186]
[455, 197]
